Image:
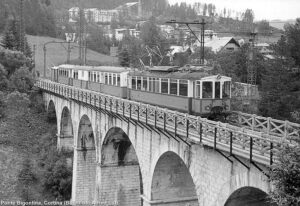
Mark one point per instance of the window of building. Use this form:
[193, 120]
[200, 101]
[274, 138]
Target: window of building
[207, 90]
[183, 88]
[164, 86]
[217, 90]
[173, 86]
[226, 89]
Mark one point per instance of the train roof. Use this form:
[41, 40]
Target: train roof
[95, 68]
[175, 73]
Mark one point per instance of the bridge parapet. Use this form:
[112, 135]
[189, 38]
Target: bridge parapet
[252, 145]
[283, 129]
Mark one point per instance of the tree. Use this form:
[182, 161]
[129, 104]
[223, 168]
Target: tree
[26, 177]
[280, 85]
[22, 80]
[285, 177]
[11, 39]
[13, 60]
[204, 9]
[264, 27]
[124, 58]
[292, 33]
[3, 78]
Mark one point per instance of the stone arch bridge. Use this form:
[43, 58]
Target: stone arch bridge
[130, 155]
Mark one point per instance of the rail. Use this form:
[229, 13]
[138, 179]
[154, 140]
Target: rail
[223, 137]
[268, 125]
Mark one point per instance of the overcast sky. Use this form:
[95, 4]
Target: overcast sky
[263, 9]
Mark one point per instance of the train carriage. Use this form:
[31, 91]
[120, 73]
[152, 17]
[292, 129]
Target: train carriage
[105, 79]
[195, 92]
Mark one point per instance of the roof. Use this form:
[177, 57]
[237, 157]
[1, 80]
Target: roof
[217, 44]
[95, 68]
[184, 75]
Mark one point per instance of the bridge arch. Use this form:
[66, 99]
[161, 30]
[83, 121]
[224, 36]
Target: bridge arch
[51, 112]
[249, 196]
[66, 135]
[121, 178]
[172, 183]
[84, 168]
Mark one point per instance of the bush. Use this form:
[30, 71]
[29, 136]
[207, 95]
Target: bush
[36, 101]
[22, 80]
[26, 179]
[2, 105]
[58, 175]
[285, 177]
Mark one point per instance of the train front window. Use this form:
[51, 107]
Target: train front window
[226, 89]
[183, 88]
[105, 78]
[173, 86]
[164, 86]
[207, 90]
[133, 83]
[217, 90]
[118, 79]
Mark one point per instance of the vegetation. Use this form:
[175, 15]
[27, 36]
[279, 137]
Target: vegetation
[285, 177]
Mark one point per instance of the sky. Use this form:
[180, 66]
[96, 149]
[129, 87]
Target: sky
[263, 9]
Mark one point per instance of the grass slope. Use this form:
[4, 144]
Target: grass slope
[57, 53]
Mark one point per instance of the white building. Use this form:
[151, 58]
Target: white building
[94, 15]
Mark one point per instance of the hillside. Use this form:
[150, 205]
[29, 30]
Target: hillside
[57, 53]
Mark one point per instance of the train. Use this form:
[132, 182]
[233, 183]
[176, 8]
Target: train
[193, 90]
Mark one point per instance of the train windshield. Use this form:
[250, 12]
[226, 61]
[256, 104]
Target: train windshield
[226, 89]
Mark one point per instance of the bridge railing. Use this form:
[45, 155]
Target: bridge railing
[252, 145]
[268, 125]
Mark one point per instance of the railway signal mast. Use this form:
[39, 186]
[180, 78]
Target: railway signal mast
[251, 70]
[201, 40]
[21, 27]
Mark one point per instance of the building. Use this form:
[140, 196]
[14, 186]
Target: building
[94, 15]
[221, 44]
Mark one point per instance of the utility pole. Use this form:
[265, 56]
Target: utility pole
[201, 40]
[21, 27]
[82, 35]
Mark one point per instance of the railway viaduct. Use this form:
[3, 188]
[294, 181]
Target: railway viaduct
[127, 154]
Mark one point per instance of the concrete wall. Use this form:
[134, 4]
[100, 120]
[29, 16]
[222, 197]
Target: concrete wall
[215, 177]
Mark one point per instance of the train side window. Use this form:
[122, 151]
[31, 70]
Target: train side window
[133, 83]
[183, 88]
[207, 90]
[164, 86]
[156, 84]
[173, 86]
[114, 76]
[145, 84]
[105, 78]
[151, 84]
[197, 90]
[217, 90]
[98, 77]
[95, 77]
[90, 76]
[138, 83]
[118, 80]
[75, 74]
[226, 89]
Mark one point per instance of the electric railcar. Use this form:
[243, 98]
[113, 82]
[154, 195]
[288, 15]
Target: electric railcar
[195, 92]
